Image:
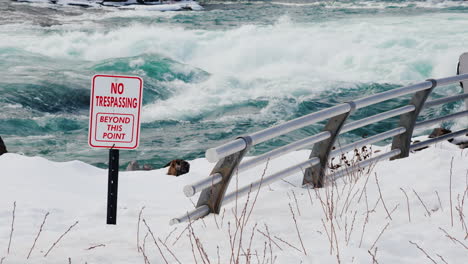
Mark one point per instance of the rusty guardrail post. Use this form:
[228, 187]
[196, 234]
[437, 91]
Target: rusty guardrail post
[408, 121]
[213, 196]
[315, 175]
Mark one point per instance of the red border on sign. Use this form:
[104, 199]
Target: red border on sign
[95, 130]
[137, 141]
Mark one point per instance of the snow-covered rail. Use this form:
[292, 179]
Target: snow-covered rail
[229, 156]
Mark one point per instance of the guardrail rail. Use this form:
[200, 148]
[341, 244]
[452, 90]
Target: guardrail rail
[229, 155]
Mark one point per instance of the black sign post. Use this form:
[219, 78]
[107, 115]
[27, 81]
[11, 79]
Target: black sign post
[114, 123]
[112, 186]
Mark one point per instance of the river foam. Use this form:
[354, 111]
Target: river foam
[222, 72]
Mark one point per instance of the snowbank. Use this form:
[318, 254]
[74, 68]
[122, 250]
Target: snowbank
[75, 191]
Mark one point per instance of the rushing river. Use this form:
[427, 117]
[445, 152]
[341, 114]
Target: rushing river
[212, 75]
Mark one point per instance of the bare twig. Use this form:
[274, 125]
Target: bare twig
[425, 253]
[95, 246]
[12, 227]
[271, 248]
[297, 229]
[366, 220]
[297, 204]
[393, 210]
[442, 258]
[38, 234]
[145, 258]
[422, 202]
[351, 229]
[180, 235]
[451, 207]
[267, 236]
[407, 204]
[138, 228]
[440, 203]
[374, 258]
[289, 244]
[381, 197]
[170, 251]
[1, 260]
[167, 237]
[56, 242]
[379, 236]
[155, 242]
[453, 238]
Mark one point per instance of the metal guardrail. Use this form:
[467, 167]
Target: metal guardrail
[229, 156]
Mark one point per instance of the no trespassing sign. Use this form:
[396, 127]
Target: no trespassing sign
[114, 119]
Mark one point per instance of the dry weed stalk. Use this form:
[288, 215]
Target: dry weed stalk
[297, 229]
[180, 235]
[1, 260]
[155, 242]
[425, 253]
[381, 232]
[374, 257]
[351, 229]
[450, 187]
[236, 236]
[201, 250]
[453, 238]
[287, 243]
[459, 208]
[442, 258]
[145, 258]
[138, 228]
[440, 203]
[169, 250]
[169, 235]
[366, 220]
[407, 204]
[381, 197]
[423, 204]
[393, 210]
[269, 244]
[297, 204]
[12, 226]
[269, 238]
[58, 240]
[95, 246]
[38, 234]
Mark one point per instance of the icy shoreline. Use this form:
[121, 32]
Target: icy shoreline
[75, 191]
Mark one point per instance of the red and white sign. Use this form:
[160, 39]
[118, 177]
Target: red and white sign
[114, 119]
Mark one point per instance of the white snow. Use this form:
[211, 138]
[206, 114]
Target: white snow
[75, 191]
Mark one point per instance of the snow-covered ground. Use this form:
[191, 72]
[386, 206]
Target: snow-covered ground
[331, 221]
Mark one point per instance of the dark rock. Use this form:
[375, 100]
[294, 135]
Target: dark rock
[3, 149]
[147, 167]
[437, 132]
[463, 145]
[177, 167]
[133, 166]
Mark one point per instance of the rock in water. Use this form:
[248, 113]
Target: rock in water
[3, 149]
[437, 132]
[177, 167]
[133, 166]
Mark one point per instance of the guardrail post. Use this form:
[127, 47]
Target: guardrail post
[315, 175]
[213, 195]
[462, 69]
[408, 121]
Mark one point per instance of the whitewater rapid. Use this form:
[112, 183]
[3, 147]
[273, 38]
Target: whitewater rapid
[230, 70]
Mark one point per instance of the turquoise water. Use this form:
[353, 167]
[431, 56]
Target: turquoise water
[211, 76]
